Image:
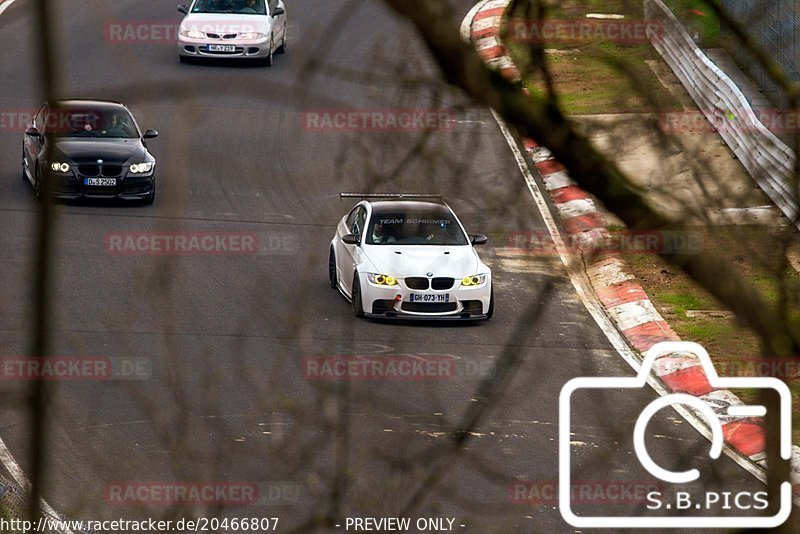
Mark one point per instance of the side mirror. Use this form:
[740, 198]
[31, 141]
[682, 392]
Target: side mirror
[33, 132]
[478, 239]
[278, 11]
[150, 134]
[183, 9]
[350, 239]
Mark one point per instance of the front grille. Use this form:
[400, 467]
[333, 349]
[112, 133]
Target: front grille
[89, 170]
[92, 169]
[110, 171]
[100, 191]
[417, 282]
[225, 36]
[442, 283]
[429, 307]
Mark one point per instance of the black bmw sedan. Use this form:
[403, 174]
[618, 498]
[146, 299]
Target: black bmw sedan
[89, 149]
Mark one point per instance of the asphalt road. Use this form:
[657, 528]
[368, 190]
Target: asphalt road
[224, 336]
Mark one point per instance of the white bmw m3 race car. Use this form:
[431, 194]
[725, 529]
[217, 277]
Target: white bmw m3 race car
[402, 256]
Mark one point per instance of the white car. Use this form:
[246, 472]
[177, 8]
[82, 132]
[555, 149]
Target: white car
[240, 29]
[397, 258]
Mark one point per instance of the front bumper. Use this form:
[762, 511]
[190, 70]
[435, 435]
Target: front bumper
[244, 49]
[394, 302]
[418, 317]
[72, 187]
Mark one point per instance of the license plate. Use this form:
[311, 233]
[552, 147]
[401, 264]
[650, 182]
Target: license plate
[103, 182]
[430, 297]
[221, 48]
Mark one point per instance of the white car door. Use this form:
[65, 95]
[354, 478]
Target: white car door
[348, 256]
[278, 22]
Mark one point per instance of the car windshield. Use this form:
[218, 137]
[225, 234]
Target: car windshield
[415, 228]
[239, 7]
[109, 124]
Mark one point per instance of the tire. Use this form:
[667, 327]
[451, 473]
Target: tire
[282, 48]
[358, 308]
[184, 59]
[490, 311]
[269, 59]
[24, 176]
[332, 270]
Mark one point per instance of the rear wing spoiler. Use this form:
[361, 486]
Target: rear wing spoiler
[395, 196]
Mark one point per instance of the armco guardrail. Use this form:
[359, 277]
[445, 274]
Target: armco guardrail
[767, 159]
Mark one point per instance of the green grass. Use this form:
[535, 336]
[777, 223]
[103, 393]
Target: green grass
[697, 14]
[683, 301]
[706, 331]
[588, 80]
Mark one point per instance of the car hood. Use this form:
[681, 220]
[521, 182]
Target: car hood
[109, 150]
[222, 23]
[403, 261]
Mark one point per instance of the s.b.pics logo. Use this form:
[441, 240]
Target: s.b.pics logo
[700, 489]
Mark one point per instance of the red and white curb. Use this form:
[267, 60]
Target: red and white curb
[622, 297]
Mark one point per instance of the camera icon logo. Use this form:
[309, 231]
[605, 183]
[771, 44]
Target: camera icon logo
[714, 429]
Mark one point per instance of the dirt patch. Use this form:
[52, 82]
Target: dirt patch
[690, 175]
[597, 73]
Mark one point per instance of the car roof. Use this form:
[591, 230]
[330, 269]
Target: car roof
[389, 206]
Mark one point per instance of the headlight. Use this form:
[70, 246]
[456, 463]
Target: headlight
[141, 167]
[59, 167]
[382, 279]
[474, 280]
[193, 34]
[252, 35]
